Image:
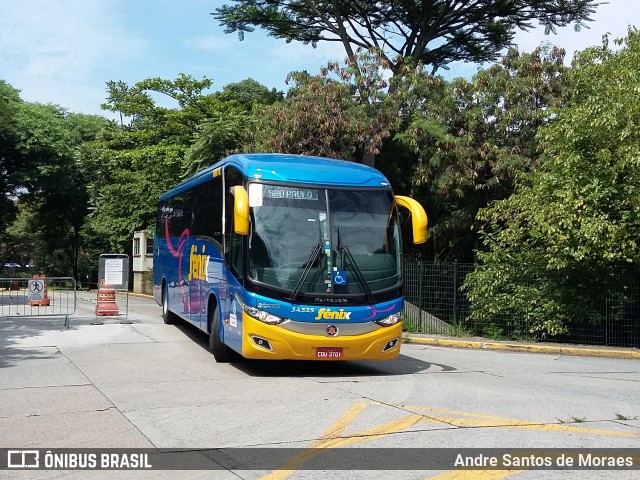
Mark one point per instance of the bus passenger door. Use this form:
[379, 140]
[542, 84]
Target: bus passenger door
[234, 251]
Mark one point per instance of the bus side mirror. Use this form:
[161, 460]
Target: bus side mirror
[240, 210]
[419, 218]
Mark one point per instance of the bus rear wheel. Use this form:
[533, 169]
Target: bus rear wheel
[167, 315]
[221, 352]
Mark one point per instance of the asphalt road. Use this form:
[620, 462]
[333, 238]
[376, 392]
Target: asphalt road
[144, 384]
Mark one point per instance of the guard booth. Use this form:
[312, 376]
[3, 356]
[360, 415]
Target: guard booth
[142, 262]
[113, 288]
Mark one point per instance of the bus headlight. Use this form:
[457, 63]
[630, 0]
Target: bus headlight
[263, 316]
[258, 314]
[390, 320]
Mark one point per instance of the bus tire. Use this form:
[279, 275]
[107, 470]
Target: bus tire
[221, 352]
[167, 315]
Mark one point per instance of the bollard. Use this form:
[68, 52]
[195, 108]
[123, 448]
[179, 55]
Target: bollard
[106, 305]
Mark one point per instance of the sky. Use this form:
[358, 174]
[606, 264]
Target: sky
[64, 51]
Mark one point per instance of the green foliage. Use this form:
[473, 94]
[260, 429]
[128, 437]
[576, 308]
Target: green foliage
[42, 182]
[130, 169]
[80, 185]
[224, 130]
[472, 138]
[318, 117]
[132, 165]
[580, 213]
[534, 300]
[433, 33]
[346, 111]
[248, 93]
[12, 164]
[59, 199]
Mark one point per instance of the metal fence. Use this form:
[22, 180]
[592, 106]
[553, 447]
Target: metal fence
[598, 309]
[38, 297]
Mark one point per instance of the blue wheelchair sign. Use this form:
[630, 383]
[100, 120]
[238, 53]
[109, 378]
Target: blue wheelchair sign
[339, 277]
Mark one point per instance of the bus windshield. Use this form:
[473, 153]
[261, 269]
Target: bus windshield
[324, 241]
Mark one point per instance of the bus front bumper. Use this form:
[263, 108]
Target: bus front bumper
[272, 342]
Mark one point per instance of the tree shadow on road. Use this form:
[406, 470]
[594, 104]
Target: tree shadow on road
[12, 329]
[12, 356]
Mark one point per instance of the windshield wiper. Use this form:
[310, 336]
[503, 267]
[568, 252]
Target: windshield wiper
[312, 258]
[363, 283]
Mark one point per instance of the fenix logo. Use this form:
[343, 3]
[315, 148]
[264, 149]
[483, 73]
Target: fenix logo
[328, 314]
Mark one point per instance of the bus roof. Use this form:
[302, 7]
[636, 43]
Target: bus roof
[279, 167]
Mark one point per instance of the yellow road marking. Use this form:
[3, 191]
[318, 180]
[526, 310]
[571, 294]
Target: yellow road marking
[479, 420]
[335, 430]
[343, 422]
[332, 437]
[475, 475]
[330, 440]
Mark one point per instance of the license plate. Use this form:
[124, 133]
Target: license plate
[329, 352]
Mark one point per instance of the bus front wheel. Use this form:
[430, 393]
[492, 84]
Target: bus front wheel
[221, 352]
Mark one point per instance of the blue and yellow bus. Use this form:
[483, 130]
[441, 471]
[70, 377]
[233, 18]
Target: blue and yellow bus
[285, 257]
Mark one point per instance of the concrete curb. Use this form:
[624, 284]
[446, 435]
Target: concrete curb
[141, 295]
[523, 347]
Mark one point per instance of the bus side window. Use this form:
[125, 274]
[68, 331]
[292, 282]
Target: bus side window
[215, 200]
[208, 208]
[234, 243]
[178, 211]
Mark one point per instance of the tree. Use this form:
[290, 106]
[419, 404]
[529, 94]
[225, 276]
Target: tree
[551, 245]
[130, 169]
[60, 207]
[433, 33]
[472, 138]
[11, 164]
[43, 197]
[134, 164]
[327, 115]
[315, 119]
[403, 32]
[55, 192]
[249, 92]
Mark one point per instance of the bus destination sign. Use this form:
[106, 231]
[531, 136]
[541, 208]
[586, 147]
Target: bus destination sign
[288, 193]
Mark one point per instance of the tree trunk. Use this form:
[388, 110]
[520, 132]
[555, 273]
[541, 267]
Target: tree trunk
[368, 158]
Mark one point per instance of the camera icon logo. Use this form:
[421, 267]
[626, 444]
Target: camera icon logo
[23, 458]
